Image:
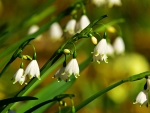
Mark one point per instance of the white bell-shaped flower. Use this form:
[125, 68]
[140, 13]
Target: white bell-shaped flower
[111, 3]
[110, 50]
[18, 77]
[59, 74]
[83, 23]
[142, 98]
[72, 68]
[70, 27]
[119, 46]
[55, 31]
[99, 2]
[33, 29]
[33, 70]
[100, 51]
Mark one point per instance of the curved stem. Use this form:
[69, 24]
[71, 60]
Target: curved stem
[90, 99]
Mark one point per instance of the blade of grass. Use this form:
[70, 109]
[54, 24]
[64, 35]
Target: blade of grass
[37, 11]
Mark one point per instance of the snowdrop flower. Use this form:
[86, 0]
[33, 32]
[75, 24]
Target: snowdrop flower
[72, 68]
[83, 23]
[99, 2]
[70, 27]
[33, 29]
[119, 46]
[100, 51]
[111, 3]
[110, 50]
[18, 77]
[55, 31]
[59, 74]
[33, 70]
[142, 98]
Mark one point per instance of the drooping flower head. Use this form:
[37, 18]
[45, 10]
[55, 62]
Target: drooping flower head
[59, 74]
[110, 50]
[33, 70]
[18, 77]
[142, 98]
[72, 67]
[111, 3]
[55, 31]
[99, 2]
[119, 46]
[83, 23]
[70, 27]
[33, 29]
[100, 51]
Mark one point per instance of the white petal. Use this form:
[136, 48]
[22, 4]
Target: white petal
[119, 46]
[70, 27]
[33, 29]
[142, 98]
[55, 31]
[18, 75]
[83, 23]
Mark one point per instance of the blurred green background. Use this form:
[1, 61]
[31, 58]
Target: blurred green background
[135, 32]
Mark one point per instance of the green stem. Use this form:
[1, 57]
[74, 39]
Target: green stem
[56, 54]
[90, 99]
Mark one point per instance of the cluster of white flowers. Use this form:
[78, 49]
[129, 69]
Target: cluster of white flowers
[64, 73]
[32, 70]
[71, 28]
[111, 3]
[102, 49]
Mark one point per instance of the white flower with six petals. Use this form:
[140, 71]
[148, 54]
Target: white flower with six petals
[142, 98]
[70, 27]
[33, 70]
[59, 74]
[18, 77]
[100, 51]
[72, 68]
[119, 46]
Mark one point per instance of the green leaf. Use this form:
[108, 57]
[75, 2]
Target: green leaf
[16, 99]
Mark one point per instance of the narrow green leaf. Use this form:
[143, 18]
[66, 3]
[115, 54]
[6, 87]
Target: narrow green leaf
[16, 99]
[37, 11]
[38, 106]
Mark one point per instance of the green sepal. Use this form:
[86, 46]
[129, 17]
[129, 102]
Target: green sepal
[105, 35]
[21, 65]
[64, 63]
[74, 54]
[34, 56]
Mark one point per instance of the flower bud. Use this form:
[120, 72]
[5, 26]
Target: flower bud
[94, 40]
[27, 57]
[66, 51]
[111, 29]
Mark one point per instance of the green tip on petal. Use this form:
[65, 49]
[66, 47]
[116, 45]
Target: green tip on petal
[134, 102]
[21, 82]
[30, 76]
[96, 54]
[39, 77]
[98, 61]
[140, 105]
